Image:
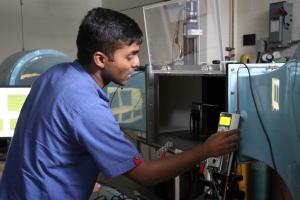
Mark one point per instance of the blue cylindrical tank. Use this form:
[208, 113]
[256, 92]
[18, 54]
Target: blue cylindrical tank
[24, 67]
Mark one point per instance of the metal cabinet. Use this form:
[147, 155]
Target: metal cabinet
[170, 93]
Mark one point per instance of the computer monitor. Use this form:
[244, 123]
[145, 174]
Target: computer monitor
[12, 99]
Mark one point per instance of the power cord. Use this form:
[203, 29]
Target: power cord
[260, 119]
[112, 98]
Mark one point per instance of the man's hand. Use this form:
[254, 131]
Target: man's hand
[97, 187]
[221, 143]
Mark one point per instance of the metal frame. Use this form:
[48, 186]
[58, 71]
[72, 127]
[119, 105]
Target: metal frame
[152, 92]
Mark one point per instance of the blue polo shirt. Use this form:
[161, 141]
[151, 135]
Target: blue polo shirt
[66, 134]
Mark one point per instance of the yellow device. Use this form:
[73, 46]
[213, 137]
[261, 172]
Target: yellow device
[227, 121]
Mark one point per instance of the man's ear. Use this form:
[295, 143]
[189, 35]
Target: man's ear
[99, 59]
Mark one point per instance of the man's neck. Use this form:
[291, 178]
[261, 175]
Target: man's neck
[95, 73]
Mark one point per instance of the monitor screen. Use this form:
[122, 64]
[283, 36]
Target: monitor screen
[11, 102]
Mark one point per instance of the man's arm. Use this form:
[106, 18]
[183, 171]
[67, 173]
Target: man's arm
[154, 171]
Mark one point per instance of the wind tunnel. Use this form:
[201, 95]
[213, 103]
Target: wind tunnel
[127, 102]
[22, 68]
[267, 97]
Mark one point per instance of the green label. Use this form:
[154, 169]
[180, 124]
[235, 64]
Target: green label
[15, 102]
[12, 124]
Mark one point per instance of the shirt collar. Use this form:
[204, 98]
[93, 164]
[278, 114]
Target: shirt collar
[81, 69]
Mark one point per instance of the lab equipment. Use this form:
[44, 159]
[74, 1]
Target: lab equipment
[12, 99]
[280, 24]
[218, 170]
[177, 33]
[228, 121]
[18, 72]
[22, 68]
[203, 119]
[266, 96]
[173, 69]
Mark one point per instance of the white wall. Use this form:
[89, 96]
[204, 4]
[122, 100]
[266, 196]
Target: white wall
[252, 16]
[213, 50]
[54, 24]
[121, 5]
[47, 24]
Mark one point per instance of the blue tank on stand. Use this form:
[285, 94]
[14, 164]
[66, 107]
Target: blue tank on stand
[22, 68]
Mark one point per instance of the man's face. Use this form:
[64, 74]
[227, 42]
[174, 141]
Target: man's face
[125, 60]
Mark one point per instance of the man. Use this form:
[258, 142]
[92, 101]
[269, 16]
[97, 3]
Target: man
[66, 133]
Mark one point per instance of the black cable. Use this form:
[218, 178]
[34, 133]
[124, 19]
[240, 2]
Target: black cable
[111, 101]
[260, 119]
[22, 24]
[138, 101]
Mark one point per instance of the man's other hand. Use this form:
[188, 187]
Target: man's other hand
[221, 143]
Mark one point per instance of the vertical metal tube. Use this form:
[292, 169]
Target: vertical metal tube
[218, 18]
[191, 28]
[190, 49]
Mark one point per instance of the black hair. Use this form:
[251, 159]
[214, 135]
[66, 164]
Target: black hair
[105, 30]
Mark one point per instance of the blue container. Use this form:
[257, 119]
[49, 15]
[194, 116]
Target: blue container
[24, 67]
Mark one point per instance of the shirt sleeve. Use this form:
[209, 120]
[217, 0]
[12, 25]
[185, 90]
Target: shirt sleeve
[100, 134]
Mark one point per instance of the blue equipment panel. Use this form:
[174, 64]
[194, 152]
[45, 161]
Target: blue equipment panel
[277, 94]
[128, 102]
